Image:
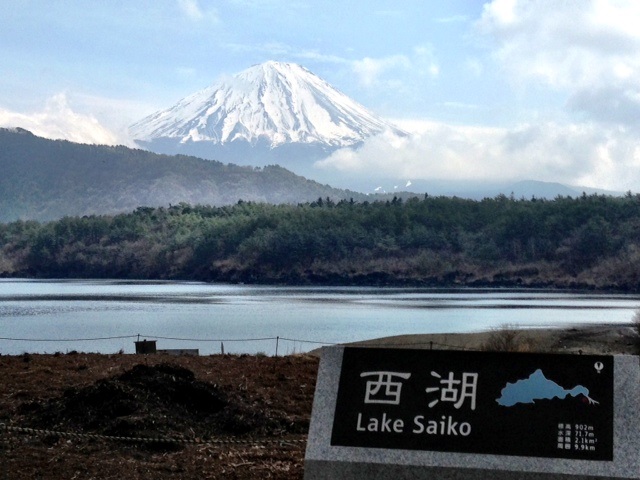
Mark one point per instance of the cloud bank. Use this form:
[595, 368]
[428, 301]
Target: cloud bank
[58, 121]
[584, 155]
[586, 52]
[589, 50]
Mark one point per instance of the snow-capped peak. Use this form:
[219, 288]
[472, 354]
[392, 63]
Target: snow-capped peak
[277, 102]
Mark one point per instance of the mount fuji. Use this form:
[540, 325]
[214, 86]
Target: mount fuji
[270, 113]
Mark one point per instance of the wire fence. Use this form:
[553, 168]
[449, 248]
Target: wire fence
[15, 339]
[275, 348]
[276, 339]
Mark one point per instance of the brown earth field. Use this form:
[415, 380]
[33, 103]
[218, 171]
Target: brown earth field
[73, 415]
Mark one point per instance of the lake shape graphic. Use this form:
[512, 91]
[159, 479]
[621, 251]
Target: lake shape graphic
[538, 387]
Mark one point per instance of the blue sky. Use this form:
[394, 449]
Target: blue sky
[501, 90]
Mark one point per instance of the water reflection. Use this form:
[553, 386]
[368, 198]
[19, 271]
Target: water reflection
[208, 314]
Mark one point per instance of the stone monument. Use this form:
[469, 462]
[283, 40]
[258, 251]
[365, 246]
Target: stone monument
[422, 414]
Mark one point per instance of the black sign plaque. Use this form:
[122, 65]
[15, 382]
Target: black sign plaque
[542, 405]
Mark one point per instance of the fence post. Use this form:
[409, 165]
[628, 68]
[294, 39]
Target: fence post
[222, 348]
[277, 341]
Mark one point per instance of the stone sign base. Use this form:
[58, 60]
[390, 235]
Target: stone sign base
[325, 460]
[344, 471]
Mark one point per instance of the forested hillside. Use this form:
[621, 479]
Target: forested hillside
[587, 242]
[45, 179]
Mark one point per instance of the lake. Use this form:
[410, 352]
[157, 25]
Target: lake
[107, 316]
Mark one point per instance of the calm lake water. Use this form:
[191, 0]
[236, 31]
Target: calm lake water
[89, 315]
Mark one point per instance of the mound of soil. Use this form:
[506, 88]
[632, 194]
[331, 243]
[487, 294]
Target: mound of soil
[157, 400]
[229, 397]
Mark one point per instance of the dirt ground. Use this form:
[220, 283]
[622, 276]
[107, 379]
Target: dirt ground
[233, 417]
[263, 401]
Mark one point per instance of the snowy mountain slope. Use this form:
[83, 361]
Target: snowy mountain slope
[271, 104]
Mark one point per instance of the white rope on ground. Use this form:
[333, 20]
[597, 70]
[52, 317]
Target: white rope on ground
[282, 442]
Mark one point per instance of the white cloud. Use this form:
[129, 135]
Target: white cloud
[192, 10]
[395, 70]
[586, 52]
[320, 57]
[369, 70]
[278, 49]
[424, 61]
[572, 154]
[588, 49]
[59, 121]
[609, 105]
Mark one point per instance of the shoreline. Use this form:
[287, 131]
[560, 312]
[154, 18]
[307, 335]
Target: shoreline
[376, 280]
[591, 339]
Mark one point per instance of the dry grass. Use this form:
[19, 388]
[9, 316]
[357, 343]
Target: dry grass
[508, 339]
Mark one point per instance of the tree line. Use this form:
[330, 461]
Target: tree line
[592, 241]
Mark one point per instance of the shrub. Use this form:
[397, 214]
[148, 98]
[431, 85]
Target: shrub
[508, 338]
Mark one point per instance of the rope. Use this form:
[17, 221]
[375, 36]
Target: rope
[210, 339]
[65, 339]
[230, 340]
[307, 341]
[166, 440]
[413, 344]
[182, 339]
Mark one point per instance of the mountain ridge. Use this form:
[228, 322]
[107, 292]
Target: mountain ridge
[47, 179]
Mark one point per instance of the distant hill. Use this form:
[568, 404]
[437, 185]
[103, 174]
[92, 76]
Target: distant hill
[47, 179]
